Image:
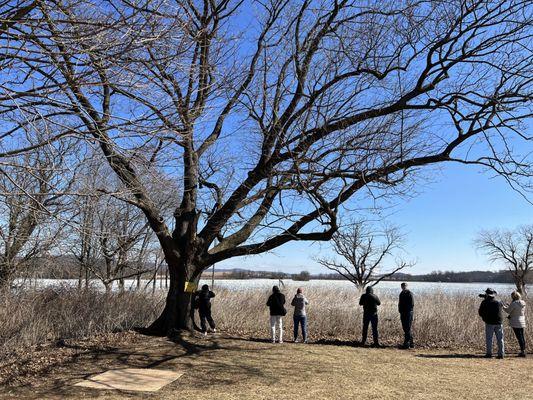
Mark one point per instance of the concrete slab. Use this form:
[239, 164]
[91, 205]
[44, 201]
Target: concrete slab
[134, 379]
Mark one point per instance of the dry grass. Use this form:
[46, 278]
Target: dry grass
[33, 318]
[441, 320]
[225, 368]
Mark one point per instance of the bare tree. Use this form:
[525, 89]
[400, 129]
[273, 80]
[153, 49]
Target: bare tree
[32, 188]
[109, 237]
[512, 248]
[13, 12]
[365, 251]
[272, 128]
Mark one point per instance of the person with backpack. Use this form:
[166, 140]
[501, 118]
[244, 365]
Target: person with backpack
[276, 304]
[490, 310]
[370, 303]
[517, 320]
[300, 317]
[203, 303]
[406, 306]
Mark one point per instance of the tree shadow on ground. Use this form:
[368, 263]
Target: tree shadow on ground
[450, 356]
[350, 343]
[181, 351]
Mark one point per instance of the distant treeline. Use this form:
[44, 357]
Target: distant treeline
[65, 267]
[502, 276]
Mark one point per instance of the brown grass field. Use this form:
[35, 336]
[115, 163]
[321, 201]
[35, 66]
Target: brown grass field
[221, 367]
[442, 320]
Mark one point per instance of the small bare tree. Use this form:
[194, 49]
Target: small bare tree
[365, 251]
[32, 187]
[109, 237]
[514, 248]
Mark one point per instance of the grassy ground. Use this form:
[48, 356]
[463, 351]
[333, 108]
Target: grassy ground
[222, 367]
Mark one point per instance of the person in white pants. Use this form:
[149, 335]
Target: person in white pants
[276, 321]
[276, 303]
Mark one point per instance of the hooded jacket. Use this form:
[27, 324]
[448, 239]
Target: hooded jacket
[276, 303]
[516, 311]
[203, 298]
[369, 301]
[299, 302]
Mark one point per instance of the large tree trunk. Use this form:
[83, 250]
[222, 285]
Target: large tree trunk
[178, 313]
[7, 274]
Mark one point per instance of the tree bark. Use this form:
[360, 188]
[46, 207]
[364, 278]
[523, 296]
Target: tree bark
[521, 286]
[178, 313]
[6, 274]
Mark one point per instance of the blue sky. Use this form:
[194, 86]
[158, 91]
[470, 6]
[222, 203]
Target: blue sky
[440, 224]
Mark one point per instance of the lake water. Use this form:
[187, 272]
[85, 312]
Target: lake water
[287, 284]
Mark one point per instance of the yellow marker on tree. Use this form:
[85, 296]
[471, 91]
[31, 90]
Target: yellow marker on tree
[190, 287]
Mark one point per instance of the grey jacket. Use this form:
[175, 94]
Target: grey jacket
[516, 311]
[299, 302]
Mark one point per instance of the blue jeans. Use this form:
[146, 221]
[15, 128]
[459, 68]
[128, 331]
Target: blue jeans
[490, 331]
[300, 320]
[370, 319]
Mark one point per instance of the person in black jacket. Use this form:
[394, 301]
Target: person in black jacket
[370, 303]
[406, 306]
[276, 303]
[490, 311]
[203, 303]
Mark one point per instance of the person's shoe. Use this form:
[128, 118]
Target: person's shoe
[522, 354]
[305, 341]
[204, 333]
[281, 341]
[404, 347]
[214, 330]
[500, 357]
[375, 345]
[273, 340]
[487, 356]
[412, 346]
[296, 340]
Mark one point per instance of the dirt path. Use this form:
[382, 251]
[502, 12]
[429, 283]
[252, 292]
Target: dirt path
[228, 368]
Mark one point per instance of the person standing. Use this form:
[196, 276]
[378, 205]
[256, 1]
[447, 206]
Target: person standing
[276, 303]
[300, 317]
[490, 310]
[517, 320]
[203, 302]
[370, 303]
[406, 306]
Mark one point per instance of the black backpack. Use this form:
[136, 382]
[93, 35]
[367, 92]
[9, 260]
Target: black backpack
[196, 302]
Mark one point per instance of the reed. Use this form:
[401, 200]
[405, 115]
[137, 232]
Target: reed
[33, 317]
[440, 320]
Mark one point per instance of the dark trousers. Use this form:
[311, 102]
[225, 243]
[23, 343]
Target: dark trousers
[300, 320]
[370, 319]
[519, 333]
[205, 316]
[407, 322]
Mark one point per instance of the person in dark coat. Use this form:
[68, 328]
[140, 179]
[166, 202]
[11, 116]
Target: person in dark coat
[203, 303]
[370, 303]
[490, 311]
[406, 306]
[276, 303]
